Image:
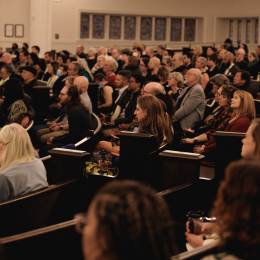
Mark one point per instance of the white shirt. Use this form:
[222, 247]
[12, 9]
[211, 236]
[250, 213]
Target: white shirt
[227, 70]
[120, 92]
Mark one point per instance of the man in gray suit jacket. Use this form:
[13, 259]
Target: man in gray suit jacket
[190, 104]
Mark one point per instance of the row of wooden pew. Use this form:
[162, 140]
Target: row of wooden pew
[42, 220]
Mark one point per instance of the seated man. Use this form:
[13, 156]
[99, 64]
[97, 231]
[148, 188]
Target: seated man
[230, 67]
[242, 80]
[154, 65]
[79, 120]
[240, 62]
[124, 111]
[190, 104]
[29, 74]
[178, 64]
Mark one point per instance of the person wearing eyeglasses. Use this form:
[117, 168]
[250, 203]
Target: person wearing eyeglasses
[190, 105]
[20, 171]
[79, 120]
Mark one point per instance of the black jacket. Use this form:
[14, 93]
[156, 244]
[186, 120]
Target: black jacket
[128, 99]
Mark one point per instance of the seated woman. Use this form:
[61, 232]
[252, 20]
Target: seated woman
[20, 171]
[144, 67]
[52, 69]
[34, 61]
[200, 64]
[62, 59]
[163, 75]
[13, 107]
[216, 119]
[106, 94]
[153, 119]
[253, 66]
[251, 143]
[127, 220]
[85, 71]
[212, 64]
[237, 209]
[167, 61]
[175, 83]
[243, 112]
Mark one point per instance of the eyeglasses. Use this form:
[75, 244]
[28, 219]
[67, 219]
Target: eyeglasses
[142, 90]
[63, 94]
[81, 222]
[132, 81]
[2, 73]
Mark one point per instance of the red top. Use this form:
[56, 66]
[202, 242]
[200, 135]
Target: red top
[239, 125]
[111, 79]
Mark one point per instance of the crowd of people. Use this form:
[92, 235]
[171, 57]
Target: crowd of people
[181, 99]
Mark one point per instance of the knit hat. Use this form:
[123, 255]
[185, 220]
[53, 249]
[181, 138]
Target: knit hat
[31, 69]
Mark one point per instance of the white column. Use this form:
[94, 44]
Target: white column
[40, 25]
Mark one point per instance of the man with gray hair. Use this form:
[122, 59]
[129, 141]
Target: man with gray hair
[240, 62]
[178, 64]
[102, 51]
[80, 52]
[149, 51]
[190, 105]
[109, 69]
[7, 59]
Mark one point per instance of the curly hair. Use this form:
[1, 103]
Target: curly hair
[237, 209]
[133, 221]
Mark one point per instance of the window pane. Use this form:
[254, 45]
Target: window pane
[98, 26]
[160, 29]
[189, 30]
[115, 27]
[130, 27]
[256, 30]
[146, 28]
[248, 31]
[239, 30]
[176, 27]
[84, 25]
[231, 29]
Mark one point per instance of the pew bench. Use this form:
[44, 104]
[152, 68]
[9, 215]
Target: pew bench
[59, 241]
[37, 209]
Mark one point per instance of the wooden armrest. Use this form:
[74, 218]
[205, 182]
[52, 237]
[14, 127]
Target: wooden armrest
[229, 134]
[184, 155]
[41, 87]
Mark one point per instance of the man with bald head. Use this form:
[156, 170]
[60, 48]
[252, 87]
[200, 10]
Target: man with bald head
[7, 59]
[240, 62]
[80, 52]
[154, 65]
[190, 104]
[82, 83]
[178, 64]
[152, 89]
[230, 68]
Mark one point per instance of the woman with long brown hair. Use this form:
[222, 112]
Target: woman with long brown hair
[237, 209]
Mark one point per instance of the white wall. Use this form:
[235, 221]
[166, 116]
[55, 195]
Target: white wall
[14, 12]
[64, 19]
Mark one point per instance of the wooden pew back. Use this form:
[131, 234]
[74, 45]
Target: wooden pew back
[139, 158]
[59, 241]
[179, 168]
[228, 149]
[41, 208]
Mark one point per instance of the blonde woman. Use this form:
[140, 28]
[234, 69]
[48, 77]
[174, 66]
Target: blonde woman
[197, 52]
[175, 82]
[20, 171]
